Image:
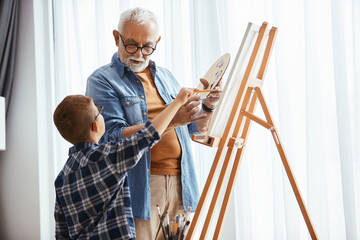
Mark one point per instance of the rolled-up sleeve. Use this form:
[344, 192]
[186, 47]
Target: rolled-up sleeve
[104, 94]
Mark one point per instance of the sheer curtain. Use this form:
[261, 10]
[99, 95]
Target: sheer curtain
[84, 42]
[312, 89]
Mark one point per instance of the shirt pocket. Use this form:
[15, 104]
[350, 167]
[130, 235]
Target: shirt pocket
[132, 109]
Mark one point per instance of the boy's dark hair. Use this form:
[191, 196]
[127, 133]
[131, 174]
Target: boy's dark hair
[73, 118]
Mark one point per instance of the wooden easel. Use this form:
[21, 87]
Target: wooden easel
[235, 138]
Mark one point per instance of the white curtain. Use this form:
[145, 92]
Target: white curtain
[312, 88]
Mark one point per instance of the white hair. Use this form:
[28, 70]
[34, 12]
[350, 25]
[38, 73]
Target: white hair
[138, 15]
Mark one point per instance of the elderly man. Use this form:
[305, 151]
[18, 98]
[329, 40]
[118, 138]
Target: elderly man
[133, 89]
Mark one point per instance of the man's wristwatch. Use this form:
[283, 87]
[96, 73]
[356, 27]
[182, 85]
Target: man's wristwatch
[206, 109]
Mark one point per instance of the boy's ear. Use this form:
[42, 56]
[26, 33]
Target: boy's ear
[95, 126]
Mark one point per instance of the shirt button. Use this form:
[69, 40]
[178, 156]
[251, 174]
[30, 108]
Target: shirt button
[149, 189]
[142, 96]
[127, 103]
[137, 81]
[148, 170]
[127, 69]
[144, 114]
[147, 150]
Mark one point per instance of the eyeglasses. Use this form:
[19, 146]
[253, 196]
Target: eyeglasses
[133, 48]
[101, 111]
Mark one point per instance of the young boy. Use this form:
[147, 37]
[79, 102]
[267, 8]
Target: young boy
[92, 192]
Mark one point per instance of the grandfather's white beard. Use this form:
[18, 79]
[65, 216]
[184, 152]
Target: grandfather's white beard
[136, 67]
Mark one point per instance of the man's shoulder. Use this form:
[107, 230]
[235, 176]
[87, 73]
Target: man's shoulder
[104, 70]
[111, 69]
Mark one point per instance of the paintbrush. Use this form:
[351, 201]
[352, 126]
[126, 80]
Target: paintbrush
[208, 90]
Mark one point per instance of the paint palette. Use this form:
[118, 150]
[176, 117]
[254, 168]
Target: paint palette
[215, 73]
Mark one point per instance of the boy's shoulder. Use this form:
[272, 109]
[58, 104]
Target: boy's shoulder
[79, 155]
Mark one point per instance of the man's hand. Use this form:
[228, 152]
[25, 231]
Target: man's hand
[213, 97]
[186, 113]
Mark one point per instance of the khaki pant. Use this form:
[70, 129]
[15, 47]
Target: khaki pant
[165, 192]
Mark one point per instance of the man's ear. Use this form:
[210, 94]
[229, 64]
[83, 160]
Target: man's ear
[116, 37]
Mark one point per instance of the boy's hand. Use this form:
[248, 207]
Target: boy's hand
[184, 95]
[187, 112]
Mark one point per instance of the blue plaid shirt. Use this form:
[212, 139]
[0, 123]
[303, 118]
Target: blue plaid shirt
[92, 191]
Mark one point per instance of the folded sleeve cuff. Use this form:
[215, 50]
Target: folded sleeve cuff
[150, 133]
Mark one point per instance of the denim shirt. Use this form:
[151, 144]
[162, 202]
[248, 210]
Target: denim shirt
[120, 91]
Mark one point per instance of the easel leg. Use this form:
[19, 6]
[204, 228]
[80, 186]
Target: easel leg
[215, 197]
[225, 167]
[209, 182]
[286, 165]
[236, 166]
[293, 184]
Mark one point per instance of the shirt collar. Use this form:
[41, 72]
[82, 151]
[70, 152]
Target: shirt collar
[81, 146]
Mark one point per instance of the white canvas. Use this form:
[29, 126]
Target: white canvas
[232, 85]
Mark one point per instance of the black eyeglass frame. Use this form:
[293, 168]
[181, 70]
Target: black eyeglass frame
[137, 47]
[101, 111]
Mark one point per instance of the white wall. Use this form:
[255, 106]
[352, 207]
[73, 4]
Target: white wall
[25, 179]
[2, 124]
[19, 186]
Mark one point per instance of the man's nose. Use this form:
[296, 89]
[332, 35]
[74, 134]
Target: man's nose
[138, 54]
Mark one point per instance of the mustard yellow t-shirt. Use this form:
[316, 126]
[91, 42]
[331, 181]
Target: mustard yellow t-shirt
[166, 154]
